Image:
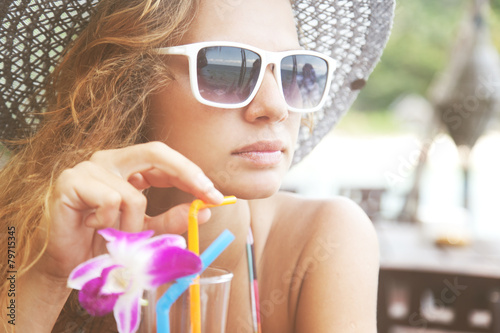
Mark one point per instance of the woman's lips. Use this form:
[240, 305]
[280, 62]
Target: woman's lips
[262, 158]
[262, 153]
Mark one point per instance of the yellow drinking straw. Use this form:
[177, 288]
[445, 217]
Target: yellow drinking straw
[194, 246]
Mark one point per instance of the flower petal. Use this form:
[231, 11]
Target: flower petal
[171, 263]
[123, 243]
[115, 280]
[88, 270]
[94, 300]
[111, 235]
[163, 241]
[127, 313]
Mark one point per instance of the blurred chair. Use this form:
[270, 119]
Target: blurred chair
[428, 287]
[427, 301]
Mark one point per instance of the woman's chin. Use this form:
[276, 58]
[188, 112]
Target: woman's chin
[252, 189]
[254, 194]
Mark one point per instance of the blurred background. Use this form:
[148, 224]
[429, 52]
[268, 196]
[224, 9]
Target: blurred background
[420, 152]
[396, 119]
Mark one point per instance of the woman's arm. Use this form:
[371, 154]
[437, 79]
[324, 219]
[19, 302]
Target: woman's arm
[340, 281]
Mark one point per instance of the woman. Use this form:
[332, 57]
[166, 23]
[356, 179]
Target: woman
[127, 144]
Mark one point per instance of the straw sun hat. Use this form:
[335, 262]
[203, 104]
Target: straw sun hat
[35, 32]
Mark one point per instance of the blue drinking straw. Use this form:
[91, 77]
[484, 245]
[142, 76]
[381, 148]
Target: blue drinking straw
[182, 284]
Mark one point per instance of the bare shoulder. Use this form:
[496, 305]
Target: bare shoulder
[338, 217]
[334, 250]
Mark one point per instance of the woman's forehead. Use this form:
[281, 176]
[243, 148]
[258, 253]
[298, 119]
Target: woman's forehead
[262, 23]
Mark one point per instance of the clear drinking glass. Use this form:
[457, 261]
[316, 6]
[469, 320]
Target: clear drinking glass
[215, 285]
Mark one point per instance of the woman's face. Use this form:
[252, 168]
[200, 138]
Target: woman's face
[246, 151]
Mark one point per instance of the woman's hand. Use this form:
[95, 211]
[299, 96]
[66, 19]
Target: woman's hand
[106, 191]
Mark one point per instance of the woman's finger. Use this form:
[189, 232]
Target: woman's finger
[175, 220]
[84, 196]
[138, 181]
[90, 187]
[159, 166]
[132, 203]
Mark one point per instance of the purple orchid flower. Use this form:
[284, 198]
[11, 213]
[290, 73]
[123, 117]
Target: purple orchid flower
[116, 281]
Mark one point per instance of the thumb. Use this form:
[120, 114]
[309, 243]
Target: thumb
[175, 220]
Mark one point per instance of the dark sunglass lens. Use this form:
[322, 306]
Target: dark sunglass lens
[304, 79]
[227, 74]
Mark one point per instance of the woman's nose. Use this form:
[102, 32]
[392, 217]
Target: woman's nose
[268, 104]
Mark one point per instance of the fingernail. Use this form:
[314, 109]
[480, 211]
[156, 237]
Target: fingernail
[204, 183]
[208, 188]
[215, 195]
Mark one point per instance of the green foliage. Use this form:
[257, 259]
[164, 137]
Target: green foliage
[362, 123]
[419, 48]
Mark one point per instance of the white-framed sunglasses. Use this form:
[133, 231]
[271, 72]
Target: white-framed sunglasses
[229, 74]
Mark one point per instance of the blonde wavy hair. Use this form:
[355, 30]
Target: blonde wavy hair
[98, 99]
